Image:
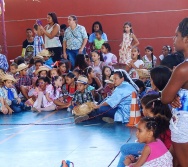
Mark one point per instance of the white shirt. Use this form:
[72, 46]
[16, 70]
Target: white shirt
[54, 42]
[133, 73]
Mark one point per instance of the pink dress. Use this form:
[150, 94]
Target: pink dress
[50, 90]
[125, 52]
[159, 155]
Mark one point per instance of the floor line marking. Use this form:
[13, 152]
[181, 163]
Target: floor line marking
[57, 120]
[93, 124]
[22, 130]
[67, 127]
[12, 128]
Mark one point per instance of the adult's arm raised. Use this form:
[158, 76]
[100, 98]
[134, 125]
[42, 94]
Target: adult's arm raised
[53, 33]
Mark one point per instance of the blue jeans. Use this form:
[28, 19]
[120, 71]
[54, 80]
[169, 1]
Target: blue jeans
[72, 56]
[18, 107]
[111, 112]
[130, 149]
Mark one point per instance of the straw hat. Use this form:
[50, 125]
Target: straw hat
[83, 109]
[38, 57]
[22, 67]
[8, 77]
[82, 79]
[143, 73]
[42, 68]
[111, 80]
[45, 52]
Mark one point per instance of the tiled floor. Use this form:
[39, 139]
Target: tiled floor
[89, 144]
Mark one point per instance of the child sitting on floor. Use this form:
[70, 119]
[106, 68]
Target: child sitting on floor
[13, 70]
[81, 96]
[24, 79]
[154, 153]
[45, 101]
[11, 95]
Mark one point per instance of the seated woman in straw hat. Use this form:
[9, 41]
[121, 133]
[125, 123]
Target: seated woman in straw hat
[11, 95]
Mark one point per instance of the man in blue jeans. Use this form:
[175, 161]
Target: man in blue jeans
[74, 41]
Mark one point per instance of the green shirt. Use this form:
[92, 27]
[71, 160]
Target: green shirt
[98, 43]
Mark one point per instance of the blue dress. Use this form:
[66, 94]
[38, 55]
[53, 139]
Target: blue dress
[121, 100]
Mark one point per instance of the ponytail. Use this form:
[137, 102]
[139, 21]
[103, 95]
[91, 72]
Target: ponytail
[53, 83]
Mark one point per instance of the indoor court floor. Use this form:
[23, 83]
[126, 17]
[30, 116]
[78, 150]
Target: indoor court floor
[44, 139]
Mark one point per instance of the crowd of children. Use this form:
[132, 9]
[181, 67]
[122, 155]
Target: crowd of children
[44, 85]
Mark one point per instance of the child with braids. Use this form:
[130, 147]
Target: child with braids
[152, 107]
[154, 153]
[149, 59]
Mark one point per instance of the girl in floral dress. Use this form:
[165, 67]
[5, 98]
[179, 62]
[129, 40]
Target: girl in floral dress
[129, 41]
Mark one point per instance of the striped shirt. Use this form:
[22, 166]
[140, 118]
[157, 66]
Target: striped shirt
[3, 62]
[38, 42]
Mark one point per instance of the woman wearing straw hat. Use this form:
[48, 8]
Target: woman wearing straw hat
[11, 95]
[51, 35]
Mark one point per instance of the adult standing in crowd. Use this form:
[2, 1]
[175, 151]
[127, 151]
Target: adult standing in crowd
[96, 27]
[51, 36]
[74, 41]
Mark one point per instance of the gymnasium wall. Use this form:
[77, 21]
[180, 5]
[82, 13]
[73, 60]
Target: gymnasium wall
[154, 21]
